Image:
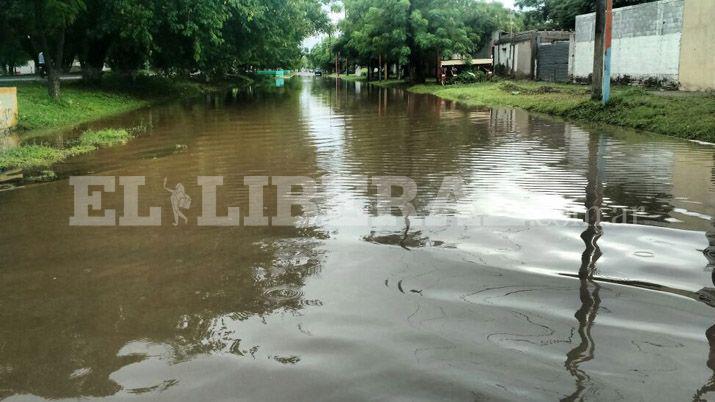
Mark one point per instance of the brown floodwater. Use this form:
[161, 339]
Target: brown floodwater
[505, 292]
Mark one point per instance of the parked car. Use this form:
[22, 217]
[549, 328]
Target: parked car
[318, 73]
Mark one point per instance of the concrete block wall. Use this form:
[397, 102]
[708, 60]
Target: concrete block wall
[646, 41]
[553, 62]
[8, 108]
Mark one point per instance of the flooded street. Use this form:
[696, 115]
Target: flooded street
[505, 292]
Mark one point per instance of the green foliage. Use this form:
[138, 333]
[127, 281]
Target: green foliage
[637, 108]
[482, 19]
[413, 32]
[104, 138]
[214, 38]
[35, 157]
[321, 55]
[30, 156]
[470, 77]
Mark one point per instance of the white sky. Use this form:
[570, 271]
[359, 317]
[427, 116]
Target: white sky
[313, 40]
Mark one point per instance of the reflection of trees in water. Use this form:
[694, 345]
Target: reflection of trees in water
[68, 323]
[65, 342]
[589, 289]
[709, 386]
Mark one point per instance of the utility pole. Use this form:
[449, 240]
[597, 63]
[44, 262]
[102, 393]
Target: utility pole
[601, 79]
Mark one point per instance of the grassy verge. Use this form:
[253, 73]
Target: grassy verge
[388, 83]
[37, 157]
[348, 77]
[383, 83]
[82, 103]
[689, 116]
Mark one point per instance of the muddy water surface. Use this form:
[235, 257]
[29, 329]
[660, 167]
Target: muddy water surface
[504, 293]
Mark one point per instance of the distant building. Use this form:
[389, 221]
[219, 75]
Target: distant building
[517, 55]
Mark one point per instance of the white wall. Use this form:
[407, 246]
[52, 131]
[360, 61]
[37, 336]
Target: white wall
[639, 57]
[646, 41]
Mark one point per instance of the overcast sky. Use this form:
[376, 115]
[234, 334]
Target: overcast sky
[310, 42]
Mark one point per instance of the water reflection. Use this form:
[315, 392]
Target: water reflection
[709, 253]
[589, 289]
[278, 313]
[71, 329]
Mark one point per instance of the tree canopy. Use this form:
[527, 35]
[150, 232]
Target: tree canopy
[412, 32]
[177, 37]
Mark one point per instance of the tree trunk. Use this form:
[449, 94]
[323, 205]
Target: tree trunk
[91, 74]
[53, 63]
[93, 60]
[379, 64]
[386, 70]
[53, 82]
[437, 69]
[337, 66]
[416, 69]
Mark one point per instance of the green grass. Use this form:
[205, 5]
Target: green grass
[383, 83]
[37, 157]
[348, 77]
[80, 103]
[689, 116]
[30, 157]
[388, 83]
[101, 138]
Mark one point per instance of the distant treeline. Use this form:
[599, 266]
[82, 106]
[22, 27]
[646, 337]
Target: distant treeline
[171, 37]
[411, 35]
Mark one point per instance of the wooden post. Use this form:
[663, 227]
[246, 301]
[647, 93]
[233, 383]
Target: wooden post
[599, 42]
[385, 68]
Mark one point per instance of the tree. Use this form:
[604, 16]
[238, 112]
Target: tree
[45, 22]
[321, 55]
[264, 34]
[184, 32]
[482, 19]
[436, 29]
[561, 14]
[12, 51]
[418, 31]
[177, 37]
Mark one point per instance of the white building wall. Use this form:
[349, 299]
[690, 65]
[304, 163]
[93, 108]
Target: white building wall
[646, 41]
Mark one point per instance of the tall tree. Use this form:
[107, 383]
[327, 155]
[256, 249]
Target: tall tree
[420, 31]
[482, 19]
[46, 22]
